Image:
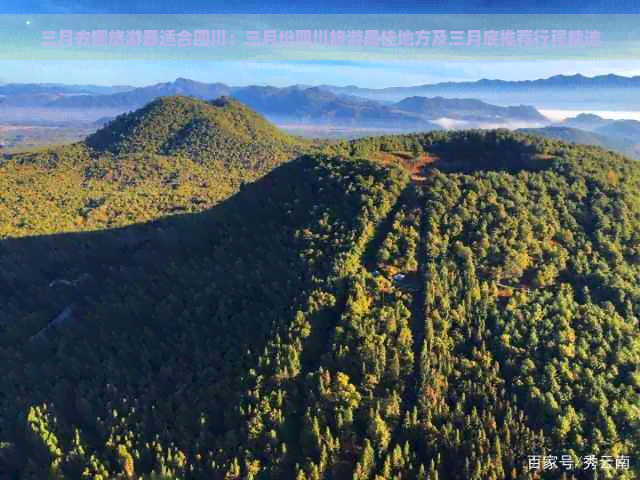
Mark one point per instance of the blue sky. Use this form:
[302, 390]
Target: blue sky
[281, 71]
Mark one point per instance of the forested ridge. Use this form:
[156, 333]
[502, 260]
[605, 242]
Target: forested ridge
[176, 154]
[426, 306]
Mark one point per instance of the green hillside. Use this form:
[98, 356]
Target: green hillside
[172, 125]
[429, 306]
[177, 154]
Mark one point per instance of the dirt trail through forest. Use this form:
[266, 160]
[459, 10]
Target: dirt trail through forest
[415, 165]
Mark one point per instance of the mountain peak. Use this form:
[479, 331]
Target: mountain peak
[225, 101]
[186, 81]
[588, 116]
[179, 124]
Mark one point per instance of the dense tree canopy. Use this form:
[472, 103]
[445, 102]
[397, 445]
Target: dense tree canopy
[428, 306]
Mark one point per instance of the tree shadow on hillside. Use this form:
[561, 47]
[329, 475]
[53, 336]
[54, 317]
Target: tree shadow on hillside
[472, 151]
[173, 311]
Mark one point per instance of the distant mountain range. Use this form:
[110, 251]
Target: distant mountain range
[295, 104]
[622, 136]
[58, 89]
[603, 92]
[351, 104]
[584, 121]
[629, 129]
[354, 109]
[557, 81]
[467, 108]
[621, 128]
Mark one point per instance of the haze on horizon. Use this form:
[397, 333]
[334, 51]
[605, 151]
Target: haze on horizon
[550, 108]
[363, 74]
[557, 100]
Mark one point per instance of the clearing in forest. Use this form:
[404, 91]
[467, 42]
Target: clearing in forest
[415, 164]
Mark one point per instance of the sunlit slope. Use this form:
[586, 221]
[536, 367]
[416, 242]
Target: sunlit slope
[174, 124]
[176, 154]
[442, 307]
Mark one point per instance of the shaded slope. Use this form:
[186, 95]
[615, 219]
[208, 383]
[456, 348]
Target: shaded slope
[321, 324]
[271, 244]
